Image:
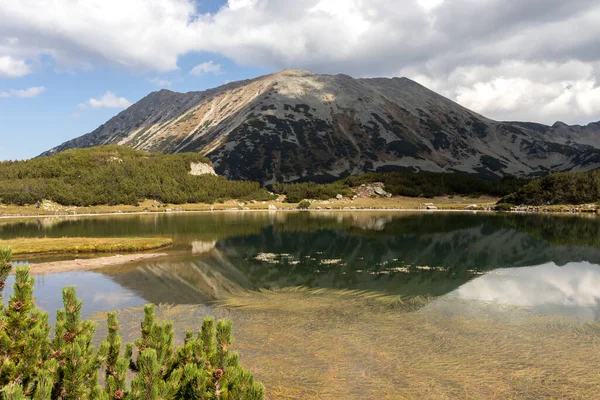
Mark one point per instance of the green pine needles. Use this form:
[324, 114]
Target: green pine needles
[67, 367]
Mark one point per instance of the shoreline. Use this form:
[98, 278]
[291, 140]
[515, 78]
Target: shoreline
[87, 264]
[348, 210]
[14, 216]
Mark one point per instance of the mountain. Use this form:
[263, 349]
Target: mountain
[295, 125]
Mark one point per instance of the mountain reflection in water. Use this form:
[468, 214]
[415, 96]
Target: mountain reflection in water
[390, 252]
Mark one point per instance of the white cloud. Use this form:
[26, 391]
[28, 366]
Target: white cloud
[480, 52]
[13, 68]
[108, 100]
[157, 81]
[23, 93]
[540, 92]
[208, 67]
[429, 5]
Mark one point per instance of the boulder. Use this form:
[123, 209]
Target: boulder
[272, 207]
[379, 191]
[201, 169]
[339, 197]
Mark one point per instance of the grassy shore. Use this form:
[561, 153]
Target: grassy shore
[397, 202]
[83, 245]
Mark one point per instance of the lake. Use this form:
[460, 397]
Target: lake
[490, 271]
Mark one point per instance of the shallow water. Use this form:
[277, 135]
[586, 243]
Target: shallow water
[509, 306]
[550, 264]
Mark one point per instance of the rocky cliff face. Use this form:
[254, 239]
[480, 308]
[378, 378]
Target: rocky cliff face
[296, 125]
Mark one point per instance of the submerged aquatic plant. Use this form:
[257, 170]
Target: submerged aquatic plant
[67, 367]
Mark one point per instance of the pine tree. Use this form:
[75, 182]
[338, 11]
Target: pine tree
[24, 334]
[67, 367]
[72, 347]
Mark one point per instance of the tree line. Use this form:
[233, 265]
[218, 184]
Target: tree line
[558, 188]
[410, 184]
[117, 175]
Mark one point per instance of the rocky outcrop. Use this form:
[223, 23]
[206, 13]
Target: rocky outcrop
[201, 169]
[297, 125]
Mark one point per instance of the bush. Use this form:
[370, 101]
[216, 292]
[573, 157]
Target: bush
[504, 207]
[67, 366]
[304, 205]
[559, 188]
[116, 175]
[411, 184]
[431, 184]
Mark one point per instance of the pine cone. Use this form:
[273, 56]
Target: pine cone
[69, 337]
[2, 283]
[17, 305]
[119, 394]
[218, 373]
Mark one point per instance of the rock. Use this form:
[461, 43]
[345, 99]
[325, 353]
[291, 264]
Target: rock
[379, 191]
[201, 169]
[339, 197]
[471, 207]
[427, 204]
[272, 207]
[432, 208]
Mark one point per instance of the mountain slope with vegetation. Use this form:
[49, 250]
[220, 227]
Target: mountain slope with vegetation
[409, 184]
[295, 125]
[559, 188]
[116, 175]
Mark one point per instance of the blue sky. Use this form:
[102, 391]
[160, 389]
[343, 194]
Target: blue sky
[32, 125]
[68, 69]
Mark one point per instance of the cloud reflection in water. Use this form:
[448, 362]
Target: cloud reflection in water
[572, 289]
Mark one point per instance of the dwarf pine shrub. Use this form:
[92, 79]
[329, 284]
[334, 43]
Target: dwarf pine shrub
[35, 366]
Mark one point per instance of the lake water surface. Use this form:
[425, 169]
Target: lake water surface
[550, 264]
[509, 304]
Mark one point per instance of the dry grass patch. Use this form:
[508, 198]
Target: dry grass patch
[398, 202]
[83, 245]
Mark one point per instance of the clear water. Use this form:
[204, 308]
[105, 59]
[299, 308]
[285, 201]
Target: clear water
[550, 264]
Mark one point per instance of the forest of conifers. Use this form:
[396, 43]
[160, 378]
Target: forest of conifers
[111, 175]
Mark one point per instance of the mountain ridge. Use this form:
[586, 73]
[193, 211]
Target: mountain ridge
[295, 125]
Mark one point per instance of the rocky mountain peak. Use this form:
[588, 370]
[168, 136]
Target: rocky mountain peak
[296, 125]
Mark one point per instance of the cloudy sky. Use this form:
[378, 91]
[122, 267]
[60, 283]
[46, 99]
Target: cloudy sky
[66, 66]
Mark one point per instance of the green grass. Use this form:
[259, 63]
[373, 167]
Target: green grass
[83, 245]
